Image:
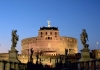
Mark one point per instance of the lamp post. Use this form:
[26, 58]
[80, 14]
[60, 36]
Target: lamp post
[96, 44]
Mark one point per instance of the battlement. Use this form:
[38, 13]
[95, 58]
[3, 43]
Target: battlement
[4, 54]
[74, 56]
[48, 28]
[78, 55]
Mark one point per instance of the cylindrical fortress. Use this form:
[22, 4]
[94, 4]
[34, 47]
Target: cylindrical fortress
[48, 39]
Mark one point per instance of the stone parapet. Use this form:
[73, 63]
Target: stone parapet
[8, 65]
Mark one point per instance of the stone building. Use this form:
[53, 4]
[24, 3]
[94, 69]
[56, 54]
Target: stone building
[49, 39]
[50, 43]
[95, 53]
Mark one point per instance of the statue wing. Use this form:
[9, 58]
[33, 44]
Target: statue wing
[86, 35]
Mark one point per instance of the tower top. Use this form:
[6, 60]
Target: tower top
[49, 27]
[49, 23]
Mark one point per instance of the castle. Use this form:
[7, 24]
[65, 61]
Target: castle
[50, 43]
[52, 49]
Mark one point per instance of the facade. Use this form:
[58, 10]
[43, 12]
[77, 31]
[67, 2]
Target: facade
[50, 43]
[96, 53]
[49, 39]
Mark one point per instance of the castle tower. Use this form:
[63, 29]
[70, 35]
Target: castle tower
[49, 39]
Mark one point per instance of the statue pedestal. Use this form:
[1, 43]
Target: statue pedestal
[85, 55]
[13, 55]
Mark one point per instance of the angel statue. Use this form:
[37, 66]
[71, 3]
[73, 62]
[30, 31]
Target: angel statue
[84, 37]
[15, 38]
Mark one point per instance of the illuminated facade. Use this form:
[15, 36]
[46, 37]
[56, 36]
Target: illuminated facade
[50, 43]
[96, 53]
[49, 39]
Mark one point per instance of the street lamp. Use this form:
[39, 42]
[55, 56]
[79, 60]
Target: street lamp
[96, 44]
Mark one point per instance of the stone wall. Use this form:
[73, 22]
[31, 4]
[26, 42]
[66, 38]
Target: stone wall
[96, 53]
[57, 45]
[24, 58]
[49, 39]
[46, 58]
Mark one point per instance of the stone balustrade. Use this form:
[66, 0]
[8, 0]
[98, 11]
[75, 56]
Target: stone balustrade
[7, 65]
[86, 65]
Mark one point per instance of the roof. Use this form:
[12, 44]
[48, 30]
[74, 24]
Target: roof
[48, 28]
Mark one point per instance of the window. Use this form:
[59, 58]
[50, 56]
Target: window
[46, 33]
[50, 33]
[41, 33]
[55, 33]
[49, 38]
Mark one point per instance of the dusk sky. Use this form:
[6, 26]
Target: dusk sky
[70, 16]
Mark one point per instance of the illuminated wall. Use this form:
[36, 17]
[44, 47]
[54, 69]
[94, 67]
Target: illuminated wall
[48, 39]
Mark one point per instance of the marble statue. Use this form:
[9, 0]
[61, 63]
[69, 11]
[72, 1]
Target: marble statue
[15, 38]
[84, 37]
[85, 52]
